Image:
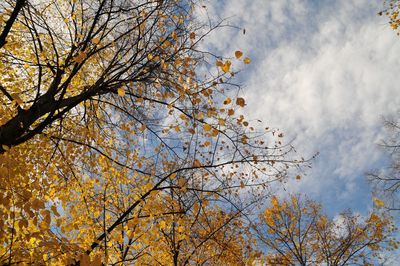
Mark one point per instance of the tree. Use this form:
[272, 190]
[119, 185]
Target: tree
[391, 10]
[110, 116]
[295, 232]
[386, 181]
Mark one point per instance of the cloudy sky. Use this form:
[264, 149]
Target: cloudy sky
[324, 72]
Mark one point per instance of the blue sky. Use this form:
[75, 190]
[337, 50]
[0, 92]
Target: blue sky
[324, 72]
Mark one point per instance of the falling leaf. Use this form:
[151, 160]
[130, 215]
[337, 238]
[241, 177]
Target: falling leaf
[298, 177]
[192, 35]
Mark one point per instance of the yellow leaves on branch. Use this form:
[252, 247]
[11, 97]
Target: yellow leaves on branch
[296, 219]
[392, 13]
[226, 66]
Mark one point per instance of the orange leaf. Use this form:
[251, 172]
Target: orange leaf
[121, 92]
[238, 54]
[197, 163]
[207, 127]
[240, 102]
[227, 101]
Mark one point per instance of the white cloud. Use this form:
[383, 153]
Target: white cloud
[324, 72]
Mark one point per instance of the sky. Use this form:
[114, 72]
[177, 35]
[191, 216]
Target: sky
[324, 72]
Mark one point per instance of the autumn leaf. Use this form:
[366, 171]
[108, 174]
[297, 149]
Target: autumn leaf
[226, 66]
[5, 147]
[227, 101]
[96, 40]
[378, 202]
[240, 102]
[121, 92]
[207, 127]
[80, 57]
[238, 54]
[197, 163]
[246, 60]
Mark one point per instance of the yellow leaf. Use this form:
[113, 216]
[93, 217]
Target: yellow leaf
[227, 101]
[378, 202]
[181, 182]
[221, 122]
[192, 35]
[172, 176]
[162, 224]
[242, 184]
[207, 127]
[96, 40]
[5, 147]
[121, 92]
[246, 60]
[215, 132]
[298, 177]
[226, 66]
[238, 54]
[231, 112]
